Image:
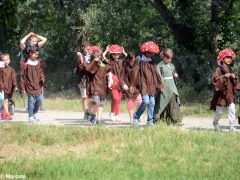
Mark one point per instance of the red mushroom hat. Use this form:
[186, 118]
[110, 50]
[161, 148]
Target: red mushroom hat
[116, 49]
[149, 46]
[95, 48]
[223, 53]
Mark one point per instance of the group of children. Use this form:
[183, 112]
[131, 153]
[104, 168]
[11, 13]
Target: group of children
[30, 80]
[151, 83]
[142, 79]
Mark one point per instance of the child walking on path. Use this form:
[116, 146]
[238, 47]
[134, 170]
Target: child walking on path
[131, 67]
[2, 66]
[30, 40]
[224, 81]
[9, 84]
[150, 82]
[117, 69]
[82, 76]
[97, 89]
[167, 102]
[31, 80]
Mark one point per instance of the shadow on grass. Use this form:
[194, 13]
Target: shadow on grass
[82, 122]
[211, 129]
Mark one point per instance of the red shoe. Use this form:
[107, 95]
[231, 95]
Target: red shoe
[3, 115]
[8, 116]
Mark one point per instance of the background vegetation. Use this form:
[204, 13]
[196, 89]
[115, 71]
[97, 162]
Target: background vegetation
[195, 30]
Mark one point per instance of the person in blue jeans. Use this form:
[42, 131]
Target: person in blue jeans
[31, 80]
[34, 102]
[149, 82]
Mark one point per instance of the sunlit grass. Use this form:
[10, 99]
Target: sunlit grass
[162, 152]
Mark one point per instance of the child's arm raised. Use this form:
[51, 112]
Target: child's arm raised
[105, 52]
[22, 42]
[42, 41]
[79, 57]
[124, 52]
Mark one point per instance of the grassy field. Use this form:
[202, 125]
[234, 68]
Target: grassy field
[162, 152]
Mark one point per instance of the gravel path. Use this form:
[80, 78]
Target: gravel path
[67, 118]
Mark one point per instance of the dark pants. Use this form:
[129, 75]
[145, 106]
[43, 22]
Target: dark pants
[171, 113]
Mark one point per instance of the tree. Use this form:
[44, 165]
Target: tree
[194, 29]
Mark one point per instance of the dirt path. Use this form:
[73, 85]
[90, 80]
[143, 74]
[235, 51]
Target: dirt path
[67, 118]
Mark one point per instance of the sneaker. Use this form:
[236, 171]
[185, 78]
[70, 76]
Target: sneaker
[93, 119]
[99, 122]
[35, 118]
[8, 116]
[86, 116]
[3, 115]
[31, 120]
[135, 122]
[112, 116]
[217, 127]
[232, 128]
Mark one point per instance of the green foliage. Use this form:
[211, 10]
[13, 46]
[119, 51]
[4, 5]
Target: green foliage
[184, 26]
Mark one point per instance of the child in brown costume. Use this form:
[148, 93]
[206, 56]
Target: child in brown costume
[82, 76]
[9, 84]
[117, 70]
[31, 80]
[224, 81]
[97, 89]
[131, 67]
[149, 80]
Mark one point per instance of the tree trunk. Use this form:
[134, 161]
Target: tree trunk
[214, 25]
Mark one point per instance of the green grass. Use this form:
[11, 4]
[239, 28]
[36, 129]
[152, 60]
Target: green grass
[162, 152]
